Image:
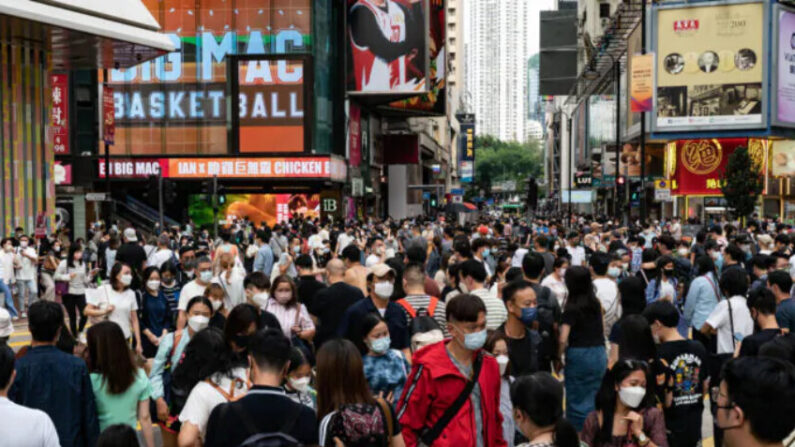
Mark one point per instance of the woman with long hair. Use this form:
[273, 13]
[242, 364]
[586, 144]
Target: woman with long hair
[702, 298]
[297, 384]
[121, 389]
[154, 314]
[633, 302]
[625, 413]
[538, 412]
[292, 315]
[664, 284]
[170, 287]
[208, 371]
[636, 341]
[115, 301]
[215, 293]
[386, 369]
[167, 361]
[74, 272]
[582, 341]
[343, 397]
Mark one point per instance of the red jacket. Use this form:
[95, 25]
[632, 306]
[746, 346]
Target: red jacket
[433, 385]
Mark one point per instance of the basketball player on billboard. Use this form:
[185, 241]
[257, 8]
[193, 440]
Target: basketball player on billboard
[388, 45]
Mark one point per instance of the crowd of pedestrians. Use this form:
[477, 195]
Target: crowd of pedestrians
[419, 332]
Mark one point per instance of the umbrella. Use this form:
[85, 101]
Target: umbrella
[460, 208]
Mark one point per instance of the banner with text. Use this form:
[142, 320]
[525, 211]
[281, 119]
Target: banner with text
[59, 117]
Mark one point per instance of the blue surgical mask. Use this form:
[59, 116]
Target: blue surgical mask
[475, 340]
[613, 272]
[529, 315]
[486, 252]
[206, 275]
[380, 345]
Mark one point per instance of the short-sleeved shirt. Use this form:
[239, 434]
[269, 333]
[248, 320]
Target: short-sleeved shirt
[290, 316]
[188, 292]
[123, 304]
[386, 373]
[752, 343]
[395, 318]
[586, 328]
[740, 320]
[785, 314]
[120, 408]
[203, 398]
[523, 352]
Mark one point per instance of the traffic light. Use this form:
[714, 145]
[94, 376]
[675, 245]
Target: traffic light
[170, 193]
[620, 180]
[434, 200]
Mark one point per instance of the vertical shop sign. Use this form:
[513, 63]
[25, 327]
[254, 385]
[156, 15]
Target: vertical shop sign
[59, 118]
[108, 116]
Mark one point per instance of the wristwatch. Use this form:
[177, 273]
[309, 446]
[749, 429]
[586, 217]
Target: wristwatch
[642, 439]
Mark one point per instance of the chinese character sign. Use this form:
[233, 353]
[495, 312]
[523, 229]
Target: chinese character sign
[59, 113]
[700, 164]
[108, 116]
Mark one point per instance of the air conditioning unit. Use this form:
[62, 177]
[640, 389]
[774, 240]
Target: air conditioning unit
[605, 21]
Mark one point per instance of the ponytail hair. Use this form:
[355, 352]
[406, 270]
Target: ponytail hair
[539, 397]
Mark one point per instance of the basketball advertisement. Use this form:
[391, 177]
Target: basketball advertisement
[388, 46]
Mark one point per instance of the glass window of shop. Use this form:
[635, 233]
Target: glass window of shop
[176, 104]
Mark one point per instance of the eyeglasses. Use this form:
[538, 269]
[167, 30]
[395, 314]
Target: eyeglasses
[714, 392]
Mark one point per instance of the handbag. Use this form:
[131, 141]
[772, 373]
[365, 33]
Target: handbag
[428, 436]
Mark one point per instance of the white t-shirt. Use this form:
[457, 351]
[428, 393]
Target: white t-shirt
[26, 427]
[667, 290]
[28, 269]
[743, 324]
[189, 291]
[343, 240]
[234, 293]
[607, 293]
[123, 304]
[160, 257]
[577, 255]
[558, 289]
[518, 257]
[203, 398]
[315, 241]
[372, 260]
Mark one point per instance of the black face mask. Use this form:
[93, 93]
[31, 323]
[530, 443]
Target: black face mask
[669, 273]
[241, 340]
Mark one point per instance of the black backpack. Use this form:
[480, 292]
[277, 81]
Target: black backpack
[280, 438]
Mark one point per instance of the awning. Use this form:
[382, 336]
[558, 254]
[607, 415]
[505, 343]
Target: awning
[85, 34]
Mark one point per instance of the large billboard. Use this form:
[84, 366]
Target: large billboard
[177, 104]
[710, 67]
[387, 45]
[466, 147]
[257, 208]
[700, 164]
[784, 95]
[632, 121]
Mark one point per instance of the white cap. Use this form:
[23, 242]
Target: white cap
[129, 235]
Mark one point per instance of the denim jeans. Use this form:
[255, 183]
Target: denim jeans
[9, 299]
[584, 370]
[25, 300]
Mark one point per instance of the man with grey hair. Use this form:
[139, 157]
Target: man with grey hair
[163, 253]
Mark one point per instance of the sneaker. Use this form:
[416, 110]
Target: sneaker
[24, 315]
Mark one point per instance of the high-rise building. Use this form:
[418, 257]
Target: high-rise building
[497, 51]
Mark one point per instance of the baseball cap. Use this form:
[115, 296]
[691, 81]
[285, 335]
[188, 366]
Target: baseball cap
[6, 327]
[381, 270]
[129, 235]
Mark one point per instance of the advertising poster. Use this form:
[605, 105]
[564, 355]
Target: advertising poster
[354, 135]
[466, 148]
[700, 163]
[270, 108]
[710, 63]
[59, 118]
[783, 162]
[641, 93]
[258, 208]
[387, 46]
[601, 132]
[634, 43]
[108, 116]
[436, 99]
[785, 75]
[177, 104]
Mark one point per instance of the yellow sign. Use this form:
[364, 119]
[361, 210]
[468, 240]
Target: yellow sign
[641, 91]
[709, 66]
[701, 156]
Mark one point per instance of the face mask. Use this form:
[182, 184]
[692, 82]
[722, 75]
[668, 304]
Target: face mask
[475, 340]
[463, 286]
[153, 284]
[300, 385]
[486, 252]
[380, 345]
[632, 396]
[217, 304]
[669, 272]
[168, 282]
[206, 275]
[562, 273]
[126, 279]
[656, 338]
[714, 255]
[189, 274]
[529, 314]
[502, 362]
[8, 247]
[198, 322]
[682, 252]
[283, 297]
[260, 299]
[384, 289]
[23, 244]
[613, 272]
[56, 249]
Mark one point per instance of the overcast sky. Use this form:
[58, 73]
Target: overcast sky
[536, 6]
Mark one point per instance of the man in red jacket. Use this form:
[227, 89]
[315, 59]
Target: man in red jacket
[440, 375]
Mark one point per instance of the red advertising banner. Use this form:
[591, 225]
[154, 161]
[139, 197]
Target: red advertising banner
[59, 117]
[108, 116]
[238, 168]
[700, 163]
[355, 135]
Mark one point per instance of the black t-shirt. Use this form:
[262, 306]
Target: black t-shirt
[586, 328]
[329, 305]
[268, 320]
[751, 344]
[131, 254]
[218, 320]
[262, 410]
[523, 352]
[681, 368]
[307, 287]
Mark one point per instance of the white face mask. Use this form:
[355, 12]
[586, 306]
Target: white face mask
[126, 279]
[260, 299]
[283, 297]
[502, 362]
[384, 289]
[153, 285]
[198, 322]
[300, 385]
[23, 244]
[216, 304]
[463, 286]
[632, 396]
[562, 273]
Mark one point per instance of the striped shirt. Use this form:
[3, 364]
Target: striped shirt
[287, 316]
[496, 314]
